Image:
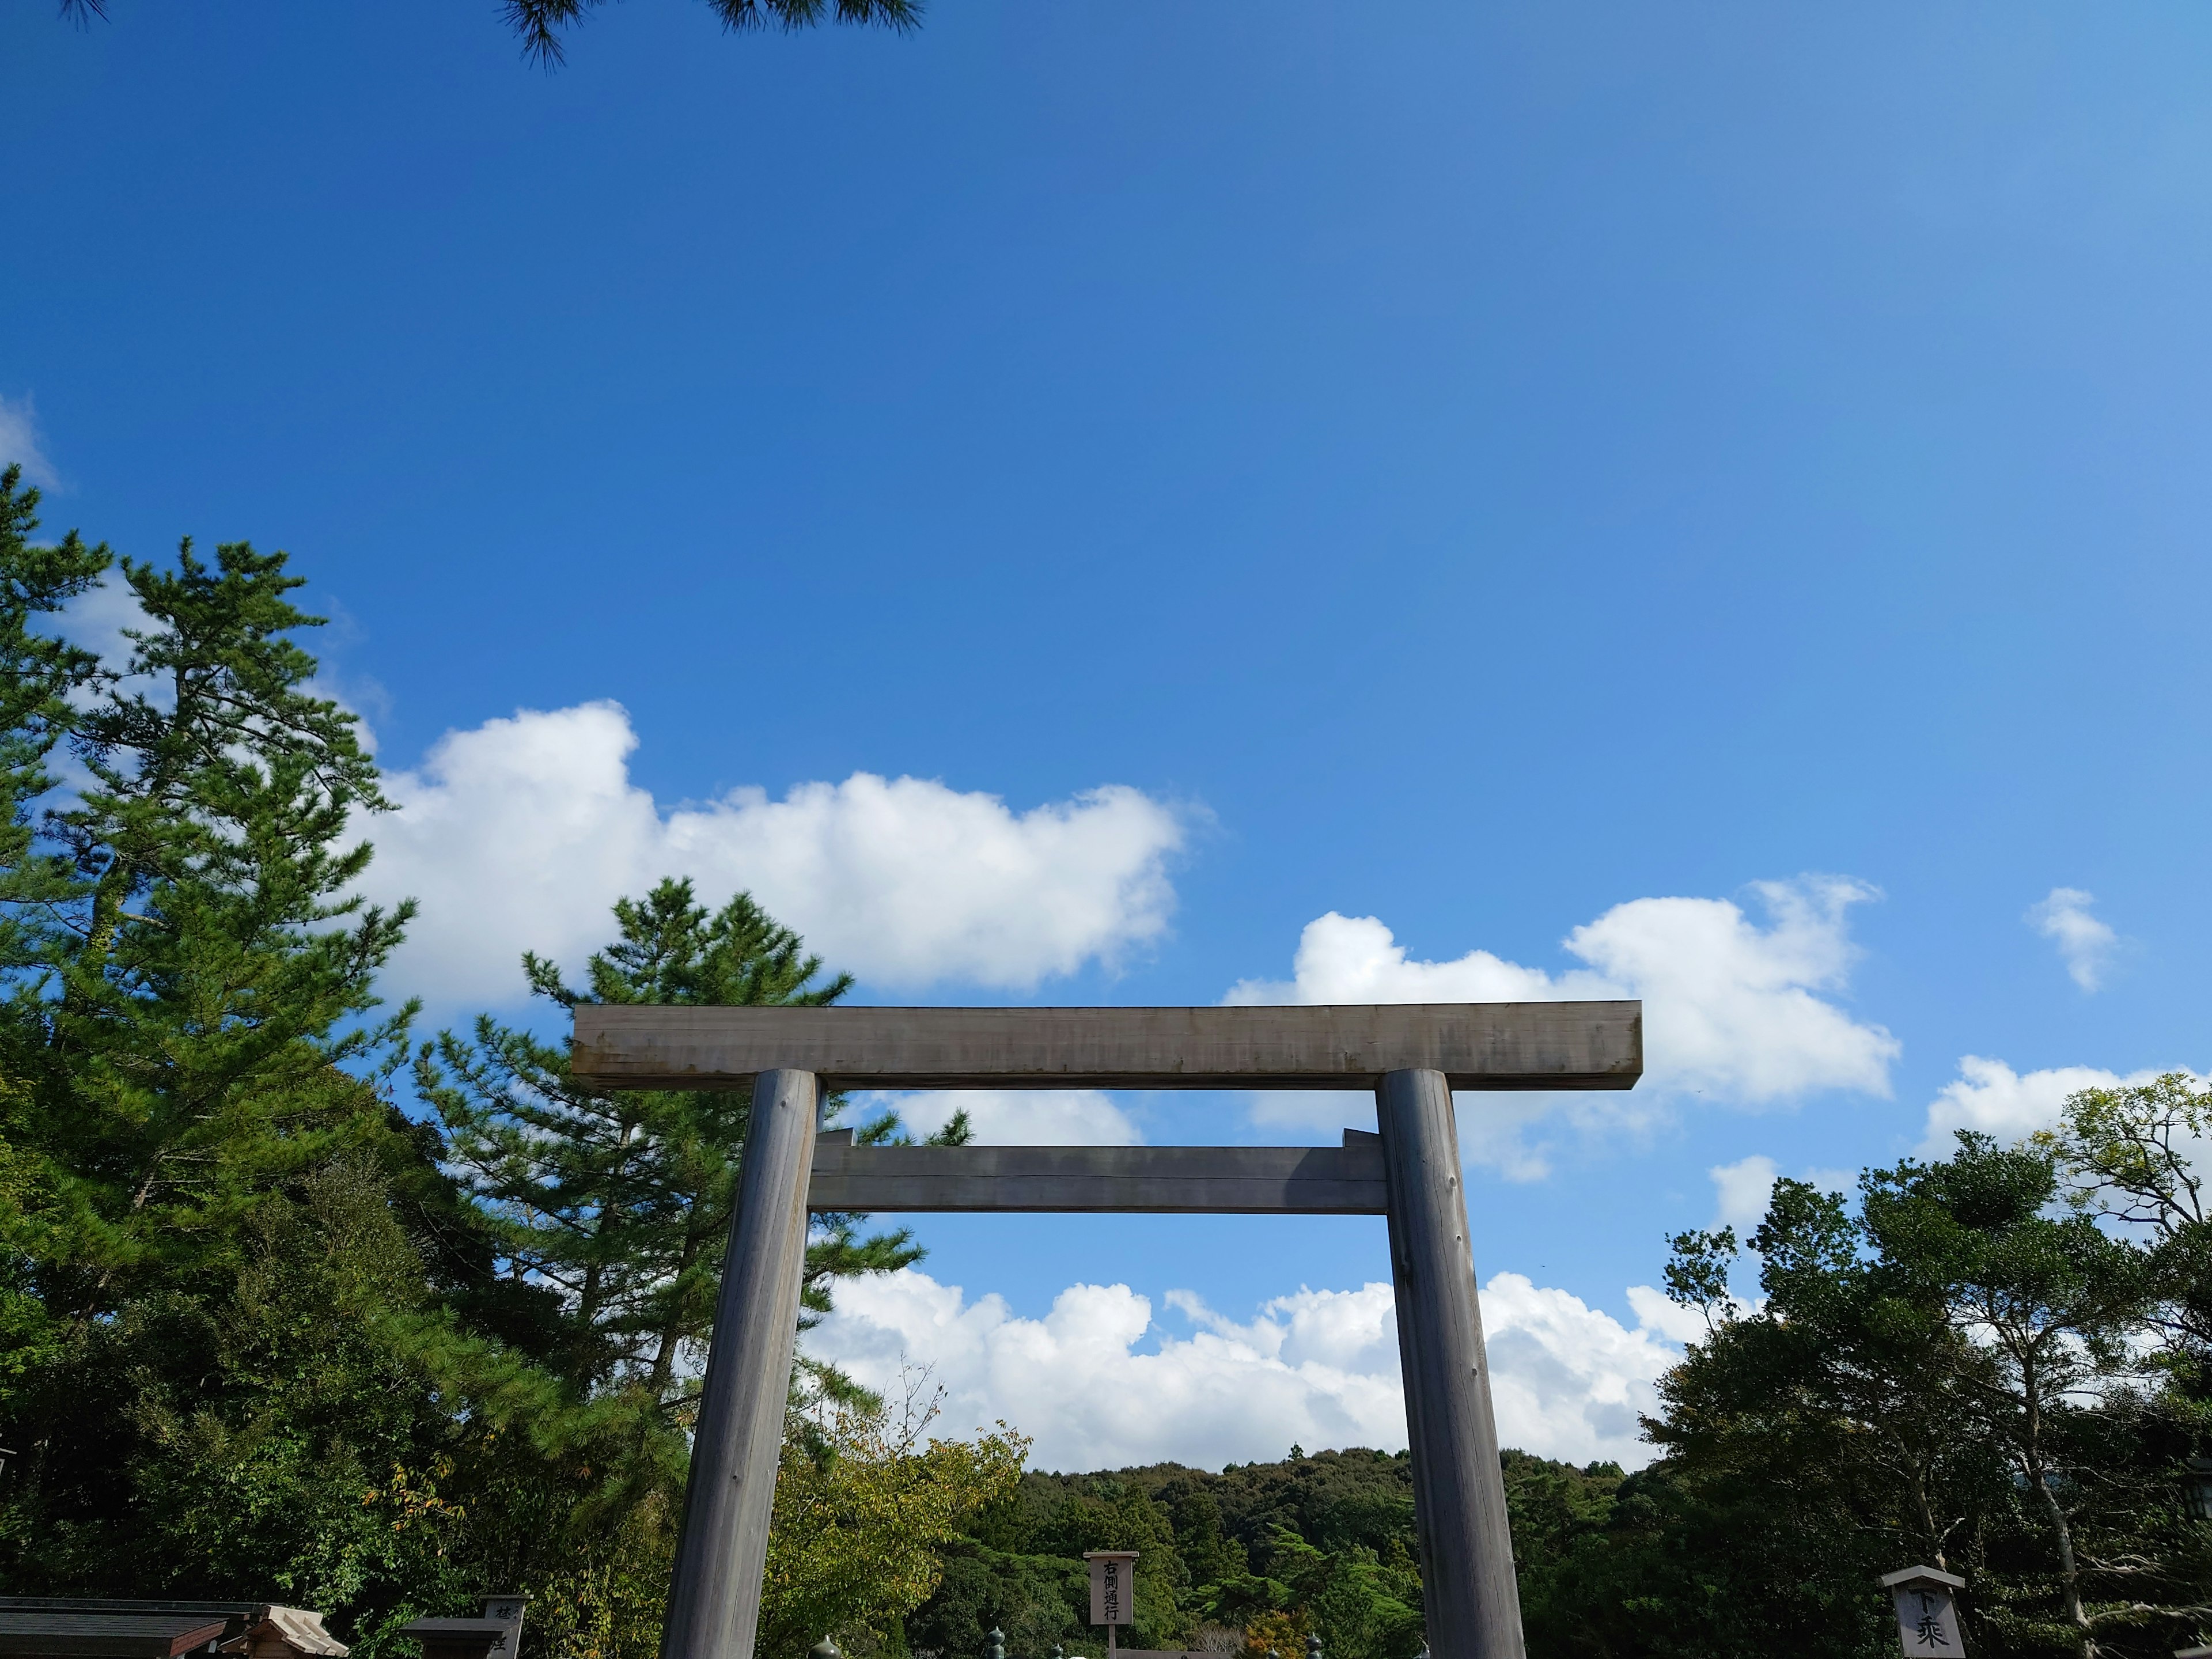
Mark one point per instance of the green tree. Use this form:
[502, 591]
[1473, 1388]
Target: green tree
[1845, 1388]
[1322, 1543]
[40, 677]
[608, 1211]
[2130, 1155]
[2044, 1309]
[188, 1064]
[863, 1502]
[200, 977]
[1954, 1373]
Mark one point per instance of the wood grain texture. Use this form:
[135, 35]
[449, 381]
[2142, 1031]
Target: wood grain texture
[1472, 1604]
[1475, 1045]
[1344, 1180]
[714, 1597]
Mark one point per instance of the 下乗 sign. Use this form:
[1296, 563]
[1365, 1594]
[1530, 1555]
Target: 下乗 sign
[1927, 1611]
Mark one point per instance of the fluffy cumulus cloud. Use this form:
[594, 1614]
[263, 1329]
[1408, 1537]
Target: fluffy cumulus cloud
[1731, 1007]
[519, 833]
[97, 617]
[1100, 1385]
[1013, 1117]
[1989, 1096]
[1741, 1189]
[2085, 943]
[18, 443]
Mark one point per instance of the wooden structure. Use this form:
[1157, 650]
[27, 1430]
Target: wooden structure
[496, 1634]
[1165, 1180]
[105, 1635]
[461, 1638]
[1927, 1603]
[1412, 1056]
[85, 1627]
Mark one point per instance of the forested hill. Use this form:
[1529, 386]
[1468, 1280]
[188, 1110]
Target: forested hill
[1320, 1544]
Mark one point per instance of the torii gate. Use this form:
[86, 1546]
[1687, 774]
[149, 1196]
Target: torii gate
[1412, 1056]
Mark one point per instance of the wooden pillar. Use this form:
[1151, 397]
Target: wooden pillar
[1472, 1603]
[714, 1601]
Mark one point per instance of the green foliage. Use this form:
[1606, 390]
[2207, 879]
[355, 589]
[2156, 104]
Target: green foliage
[2128, 1155]
[187, 1075]
[1324, 1541]
[1956, 1373]
[864, 1501]
[40, 678]
[608, 1209]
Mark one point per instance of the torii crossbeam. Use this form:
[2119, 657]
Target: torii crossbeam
[1412, 1056]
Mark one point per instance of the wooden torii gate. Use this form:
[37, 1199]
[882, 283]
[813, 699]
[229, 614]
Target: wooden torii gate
[1412, 1056]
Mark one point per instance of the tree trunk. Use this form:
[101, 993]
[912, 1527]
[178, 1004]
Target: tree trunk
[2032, 1456]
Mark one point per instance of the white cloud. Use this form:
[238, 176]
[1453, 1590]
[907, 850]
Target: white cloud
[1989, 1096]
[18, 443]
[1732, 1009]
[2085, 943]
[521, 832]
[1318, 1368]
[1740, 1191]
[95, 620]
[1569, 1379]
[1670, 1319]
[1013, 1117]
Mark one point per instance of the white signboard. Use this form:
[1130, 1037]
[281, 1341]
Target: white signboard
[1928, 1619]
[1113, 1585]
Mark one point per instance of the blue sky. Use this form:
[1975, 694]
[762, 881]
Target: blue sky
[1477, 468]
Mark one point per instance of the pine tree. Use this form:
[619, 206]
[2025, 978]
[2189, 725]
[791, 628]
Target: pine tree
[615, 1205]
[39, 676]
[187, 1054]
[201, 974]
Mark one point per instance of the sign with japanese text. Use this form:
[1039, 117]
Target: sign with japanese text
[1113, 1585]
[1928, 1619]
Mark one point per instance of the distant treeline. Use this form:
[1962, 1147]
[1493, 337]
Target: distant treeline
[1259, 1556]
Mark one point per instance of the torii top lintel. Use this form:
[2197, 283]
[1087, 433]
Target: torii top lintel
[1476, 1045]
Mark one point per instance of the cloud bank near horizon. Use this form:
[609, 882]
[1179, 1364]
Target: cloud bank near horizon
[1101, 1384]
[1988, 1096]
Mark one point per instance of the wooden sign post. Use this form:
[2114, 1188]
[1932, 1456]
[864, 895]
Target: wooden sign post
[1412, 1056]
[1113, 1590]
[1927, 1611]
